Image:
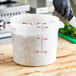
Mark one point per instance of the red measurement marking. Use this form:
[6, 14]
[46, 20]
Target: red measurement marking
[45, 51]
[38, 26]
[42, 28]
[3, 25]
[37, 51]
[41, 43]
[41, 51]
[38, 38]
[46, 27]
[45, 38]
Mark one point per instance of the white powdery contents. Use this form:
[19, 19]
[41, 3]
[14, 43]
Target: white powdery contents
[25, 51]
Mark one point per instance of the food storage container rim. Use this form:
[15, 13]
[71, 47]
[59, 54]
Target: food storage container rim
[53, 18]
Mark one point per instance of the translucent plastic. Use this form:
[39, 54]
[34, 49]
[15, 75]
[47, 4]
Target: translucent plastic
[35, 45]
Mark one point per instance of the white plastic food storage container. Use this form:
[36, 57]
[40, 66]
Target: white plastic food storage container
[35, 44]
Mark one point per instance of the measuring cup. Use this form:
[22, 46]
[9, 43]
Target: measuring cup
[35, 45]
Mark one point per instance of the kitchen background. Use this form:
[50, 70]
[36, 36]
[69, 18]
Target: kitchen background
[25, 6]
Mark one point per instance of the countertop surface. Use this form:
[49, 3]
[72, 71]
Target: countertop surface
[65, 64]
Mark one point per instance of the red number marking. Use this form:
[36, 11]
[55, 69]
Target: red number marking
[37, 51]
[3, 25]
[46, 27]
[38, 26]
[38, 38]
[45, 38]
[41, 52]
[45, 51]
[41, 43]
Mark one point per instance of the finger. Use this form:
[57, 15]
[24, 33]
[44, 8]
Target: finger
[62, 10]
[70, 15]
[54, 2]
[67, 12]
[71, 11]
[58, 8]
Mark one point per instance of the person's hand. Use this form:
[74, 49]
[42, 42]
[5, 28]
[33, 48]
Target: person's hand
[64, 8]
